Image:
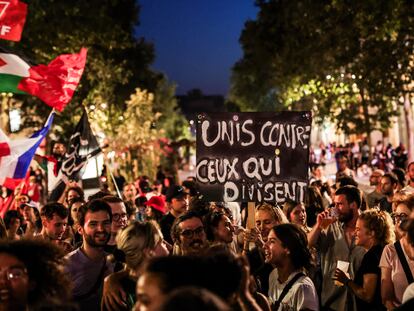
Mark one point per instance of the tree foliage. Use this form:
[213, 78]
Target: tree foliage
[117, 62]
[349, 60]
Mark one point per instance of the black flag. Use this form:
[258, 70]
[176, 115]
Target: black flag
[82, 146]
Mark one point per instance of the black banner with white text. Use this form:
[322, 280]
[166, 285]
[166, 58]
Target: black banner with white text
[253, 157]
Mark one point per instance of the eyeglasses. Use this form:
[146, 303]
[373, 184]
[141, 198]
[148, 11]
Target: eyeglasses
[190, 233]
[117, 217]
[399, 217]
[14, 273]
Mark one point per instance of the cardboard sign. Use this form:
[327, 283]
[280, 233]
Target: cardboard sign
[253, 157]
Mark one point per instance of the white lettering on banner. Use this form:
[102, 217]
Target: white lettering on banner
[228, 131]
[272, 191]
[255, 168]
[248, 132]
[240, 157]
[231, 192]
[289, 135]
[4, 29]
[3, 7]
[217, 170]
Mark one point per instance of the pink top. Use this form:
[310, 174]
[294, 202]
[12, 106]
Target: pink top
[389, 259]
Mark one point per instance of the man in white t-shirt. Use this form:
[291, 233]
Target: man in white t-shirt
[289, 288]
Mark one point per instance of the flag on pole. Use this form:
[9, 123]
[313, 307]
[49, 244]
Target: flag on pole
[82, 146]
[12, 18]
[16, 155]
[54, 83]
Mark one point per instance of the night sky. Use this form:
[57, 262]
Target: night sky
[196, 41]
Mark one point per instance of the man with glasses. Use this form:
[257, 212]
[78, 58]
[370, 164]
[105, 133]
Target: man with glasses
[188, 234]
[177, 204]
[87, 266]
[119, 219]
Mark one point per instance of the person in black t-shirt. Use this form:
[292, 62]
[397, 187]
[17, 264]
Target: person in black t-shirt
[177, 203]
[373, 231]
[389, 183]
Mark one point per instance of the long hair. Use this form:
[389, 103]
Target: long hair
[211, 222]
[288, 207]
[294, 239]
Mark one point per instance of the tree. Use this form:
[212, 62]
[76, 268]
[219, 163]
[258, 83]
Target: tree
[171, 121]
[117, 62]
[366, 46]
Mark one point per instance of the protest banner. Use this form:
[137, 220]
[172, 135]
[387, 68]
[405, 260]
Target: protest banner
[253, 157]
[12, 19]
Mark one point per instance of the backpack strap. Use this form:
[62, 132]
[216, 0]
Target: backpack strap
[286, 289]
[404, 262]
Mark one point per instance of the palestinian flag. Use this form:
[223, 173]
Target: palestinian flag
[54, 83]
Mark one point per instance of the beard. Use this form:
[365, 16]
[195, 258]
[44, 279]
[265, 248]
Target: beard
[58, 156]
[96, 241]
[344, 218]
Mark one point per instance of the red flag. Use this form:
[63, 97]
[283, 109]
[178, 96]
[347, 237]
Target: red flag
[55, 83]
[12, 18]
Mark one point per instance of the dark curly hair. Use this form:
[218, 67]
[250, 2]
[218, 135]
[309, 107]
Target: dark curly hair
[10, 215]
[78, 190]
[43, 262]
[93, 207]
[294, 238]
[211, 222]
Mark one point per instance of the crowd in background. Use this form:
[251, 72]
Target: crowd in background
[163, 246]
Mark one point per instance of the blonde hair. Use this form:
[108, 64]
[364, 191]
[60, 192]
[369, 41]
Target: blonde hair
[276, 212]
[399, 197]
[380, 223]
[136, 238]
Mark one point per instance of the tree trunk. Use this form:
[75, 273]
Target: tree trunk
[367, 125]
[409, 125]
[4, 114]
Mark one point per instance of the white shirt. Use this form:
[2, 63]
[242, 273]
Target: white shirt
[408, 189]
[302, 294]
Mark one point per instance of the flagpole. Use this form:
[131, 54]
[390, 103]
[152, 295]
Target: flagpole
[114, 181]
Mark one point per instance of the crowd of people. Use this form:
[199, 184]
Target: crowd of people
[162, 246]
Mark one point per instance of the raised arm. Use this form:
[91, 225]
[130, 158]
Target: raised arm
[313, 236]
